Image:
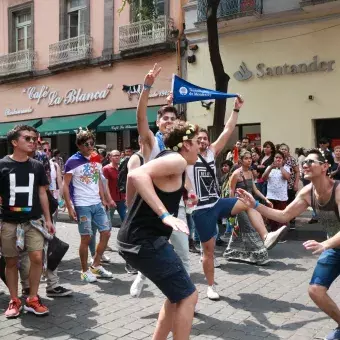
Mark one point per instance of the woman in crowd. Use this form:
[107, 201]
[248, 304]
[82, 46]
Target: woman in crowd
[266, 159]
[335, 169]
[245, 243]
[277, 174]
[300, 152]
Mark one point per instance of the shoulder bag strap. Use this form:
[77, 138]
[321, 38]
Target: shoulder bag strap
[211, 172]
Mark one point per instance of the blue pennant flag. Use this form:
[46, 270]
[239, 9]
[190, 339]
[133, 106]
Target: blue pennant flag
[184, 92]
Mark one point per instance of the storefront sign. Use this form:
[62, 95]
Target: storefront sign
[10, 112]
[264, 71]
[72, 96]
[137, 90]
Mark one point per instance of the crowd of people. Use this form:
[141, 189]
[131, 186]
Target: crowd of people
[168, 194]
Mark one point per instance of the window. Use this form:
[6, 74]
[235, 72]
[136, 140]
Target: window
[143, 13]
[23, 31]
[76, 18]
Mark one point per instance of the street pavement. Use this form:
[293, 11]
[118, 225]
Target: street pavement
[269, 302]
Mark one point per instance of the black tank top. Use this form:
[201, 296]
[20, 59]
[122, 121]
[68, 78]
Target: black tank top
[328, 213]
[142, 223]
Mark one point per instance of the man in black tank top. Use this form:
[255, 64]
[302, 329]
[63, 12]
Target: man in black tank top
[143, 237]
[323, 195]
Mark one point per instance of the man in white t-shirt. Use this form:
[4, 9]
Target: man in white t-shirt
[211, 207]
[83, 185]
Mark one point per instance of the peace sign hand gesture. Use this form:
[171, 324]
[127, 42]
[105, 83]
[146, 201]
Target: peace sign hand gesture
[152, 75]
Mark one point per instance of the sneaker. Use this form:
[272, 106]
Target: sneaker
[130, 270]
[273, 237]
[313, 221]
[35, 306]
[282, 241]
[88, 276]
[137, 286]
[262, 263]
[216, 263]
[105, 259]
[25, 293]
[220, 243]
[14, 309]
[192, 247]
[333, 335]
[100, 272]
[58, 291]
[212, 294]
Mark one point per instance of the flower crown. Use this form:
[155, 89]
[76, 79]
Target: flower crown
[189, 134]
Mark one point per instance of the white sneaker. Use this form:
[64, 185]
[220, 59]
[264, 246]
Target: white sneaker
[88, 276]
[105, 259]
[216, 263]
[101, 272]
[212, 294]
[137, 285]
[273, 237]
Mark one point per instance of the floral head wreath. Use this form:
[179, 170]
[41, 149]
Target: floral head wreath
[189, 134]
[80, 130]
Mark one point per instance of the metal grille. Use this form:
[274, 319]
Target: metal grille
[69, 50]
[17, 62]
[145, 33]
[230, 9]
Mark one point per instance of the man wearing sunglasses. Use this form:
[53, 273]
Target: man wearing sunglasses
[323, 195]
[24, 200]
[83, 185]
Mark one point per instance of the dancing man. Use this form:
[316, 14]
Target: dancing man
[143, 237]
[323, 195]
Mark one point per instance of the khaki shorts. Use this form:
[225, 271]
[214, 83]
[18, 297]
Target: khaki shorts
[34, 239]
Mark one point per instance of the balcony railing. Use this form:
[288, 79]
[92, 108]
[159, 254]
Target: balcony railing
[145, 33]
[70, 50]
[314, 2]
[17, 62]
[231, 9]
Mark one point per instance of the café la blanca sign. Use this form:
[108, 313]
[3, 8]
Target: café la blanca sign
[72, 96]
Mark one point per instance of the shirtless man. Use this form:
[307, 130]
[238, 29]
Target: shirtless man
[323, 195]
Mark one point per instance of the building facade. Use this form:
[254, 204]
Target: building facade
[66, 64]
[282, 56]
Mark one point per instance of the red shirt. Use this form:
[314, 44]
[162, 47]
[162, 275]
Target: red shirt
[111, 174]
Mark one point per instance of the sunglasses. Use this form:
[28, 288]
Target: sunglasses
[49, 150]
[29, 139]
[309, 162]
[88, 144]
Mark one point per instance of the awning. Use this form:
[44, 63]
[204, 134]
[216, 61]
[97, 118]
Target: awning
[5, 127]
[126, 119]
[70, 124]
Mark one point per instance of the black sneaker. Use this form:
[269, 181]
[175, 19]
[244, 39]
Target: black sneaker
[58, 291]
[25, 292]
[313, 221]
[130, 270]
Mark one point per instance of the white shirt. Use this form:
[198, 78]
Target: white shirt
[85, 180]
[53, 184]
[277, 186]
[202, 182]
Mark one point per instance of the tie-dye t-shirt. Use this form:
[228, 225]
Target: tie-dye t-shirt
[85, 180]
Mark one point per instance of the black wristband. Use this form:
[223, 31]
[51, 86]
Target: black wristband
[236, 110]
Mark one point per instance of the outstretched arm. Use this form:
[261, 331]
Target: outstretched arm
[297, 207]
[229, 127]
[144, 131]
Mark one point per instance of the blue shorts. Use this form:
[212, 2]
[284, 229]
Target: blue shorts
[206, 219]
[92, 215]
[158, 261]
[327, 268]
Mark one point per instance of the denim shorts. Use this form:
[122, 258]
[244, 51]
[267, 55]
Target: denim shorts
[206, 219]
[158, 261]
[327, 268]
[92, 215]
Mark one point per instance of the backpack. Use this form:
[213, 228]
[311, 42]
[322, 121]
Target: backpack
[123, 172]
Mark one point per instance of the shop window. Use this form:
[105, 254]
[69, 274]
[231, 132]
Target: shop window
[20, 21]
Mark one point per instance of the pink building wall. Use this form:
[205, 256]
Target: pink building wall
[97, 27]
[90, 80]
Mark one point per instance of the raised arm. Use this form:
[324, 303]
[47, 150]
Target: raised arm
[144, 131]
[229, 127]
[233, 182]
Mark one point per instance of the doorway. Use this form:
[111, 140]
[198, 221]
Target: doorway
[327, 128]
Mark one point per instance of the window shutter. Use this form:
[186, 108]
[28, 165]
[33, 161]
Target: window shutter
[82, 21]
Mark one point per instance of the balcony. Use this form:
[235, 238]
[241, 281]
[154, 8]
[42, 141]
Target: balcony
[317, 5]
[146, 36]
[17, 65]
[231, 9]
[70, 53]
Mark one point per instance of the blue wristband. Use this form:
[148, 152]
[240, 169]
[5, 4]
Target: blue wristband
[162, 217]
[146, 87]
[257, 203]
